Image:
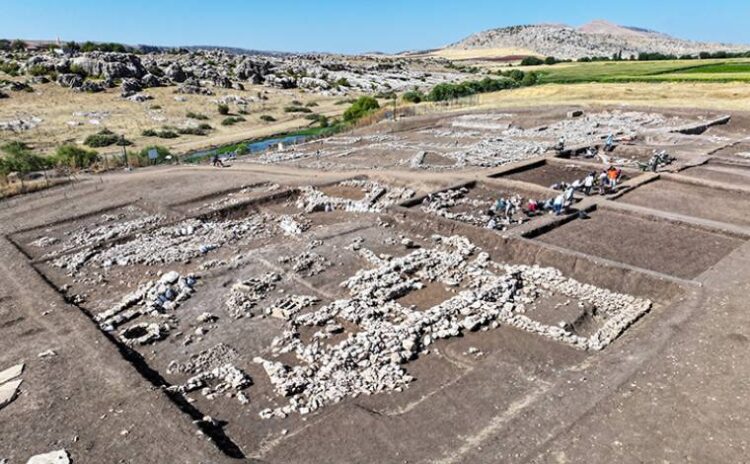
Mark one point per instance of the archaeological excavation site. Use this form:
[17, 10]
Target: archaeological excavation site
[508, 285]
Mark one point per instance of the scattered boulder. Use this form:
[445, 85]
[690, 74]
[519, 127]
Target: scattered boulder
[53, 457]
[130, 87]
[69, 80]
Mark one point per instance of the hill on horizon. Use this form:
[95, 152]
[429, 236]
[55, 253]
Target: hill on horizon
[597, 38]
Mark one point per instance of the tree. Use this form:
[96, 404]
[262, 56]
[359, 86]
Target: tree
[361, 107]
[531, 61]
[413, 96]
[550, 60]
[530, 79]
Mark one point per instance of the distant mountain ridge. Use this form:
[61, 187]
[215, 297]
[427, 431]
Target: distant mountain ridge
[597, 38]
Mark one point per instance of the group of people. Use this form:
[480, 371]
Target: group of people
[606, 181]
[658, 159]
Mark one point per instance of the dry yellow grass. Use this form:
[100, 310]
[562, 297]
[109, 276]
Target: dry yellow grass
[716, 96]
[480, 53]
[57, 107]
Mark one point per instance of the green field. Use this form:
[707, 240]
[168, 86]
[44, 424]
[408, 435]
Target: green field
[712, 70]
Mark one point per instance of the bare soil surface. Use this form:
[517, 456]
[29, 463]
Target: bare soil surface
[650, 244]
[547, 175]
[693, 200]
[496, 395]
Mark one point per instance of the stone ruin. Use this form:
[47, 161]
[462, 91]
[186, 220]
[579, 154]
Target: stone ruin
[157, 299]
[245, 295]
[377, 197]
[441, 203]
[168, 244]
[221, 379]
[107, 227]
[294, 225]
[389, 335]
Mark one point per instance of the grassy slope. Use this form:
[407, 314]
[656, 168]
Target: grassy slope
[726, 70]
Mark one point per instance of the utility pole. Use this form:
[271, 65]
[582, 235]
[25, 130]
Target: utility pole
[124, 152]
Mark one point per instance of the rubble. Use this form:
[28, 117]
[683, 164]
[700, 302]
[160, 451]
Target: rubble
[218, 380]
[168, 244]
[287, 307]
[246, 295]
[442, 203]
[293, 225]
[377, 197]
[307, 263]
[206, 360]
[371, 360]
[155, 299]
[107, 227]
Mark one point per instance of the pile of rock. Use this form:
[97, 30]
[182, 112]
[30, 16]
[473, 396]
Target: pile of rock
[293, 225]
[376, 198]
[245, 295]
[225, 378]
[153, 298]
[107, 227]
[307, 263]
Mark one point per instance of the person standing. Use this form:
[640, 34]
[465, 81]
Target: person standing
[588, 183]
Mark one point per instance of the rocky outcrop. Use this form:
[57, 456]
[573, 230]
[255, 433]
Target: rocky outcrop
[599, 39]
[109, 65]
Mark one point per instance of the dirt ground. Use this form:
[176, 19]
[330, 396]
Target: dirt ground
[655, 245]
[497, 395]
[694, 200]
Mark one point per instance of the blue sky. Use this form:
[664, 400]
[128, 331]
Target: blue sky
[350, 26]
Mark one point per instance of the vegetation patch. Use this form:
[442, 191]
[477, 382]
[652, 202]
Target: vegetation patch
[105, 138]
[232, 120]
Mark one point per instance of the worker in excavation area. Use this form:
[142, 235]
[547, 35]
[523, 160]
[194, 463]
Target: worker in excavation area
[558, 204]
[610, 143]
[603, 182]
[588, 183]
[612, 177]
[561, 143]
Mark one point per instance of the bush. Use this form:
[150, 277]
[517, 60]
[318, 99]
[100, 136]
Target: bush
[232, 120]
[198, 116]
[149, 133]
[76, 69]
[296, 103]
[105, 138]
[413, 96]
[530, 79]
[297, 109]
[200, 130]
[311, 104]
[223, 109]
[167, 134]
[19, 158]
[75, 157]
[531, 61]
[10, 67]
[267, 118]
[550, 60]
[342, 82]
[361, 107]
[37, 70]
